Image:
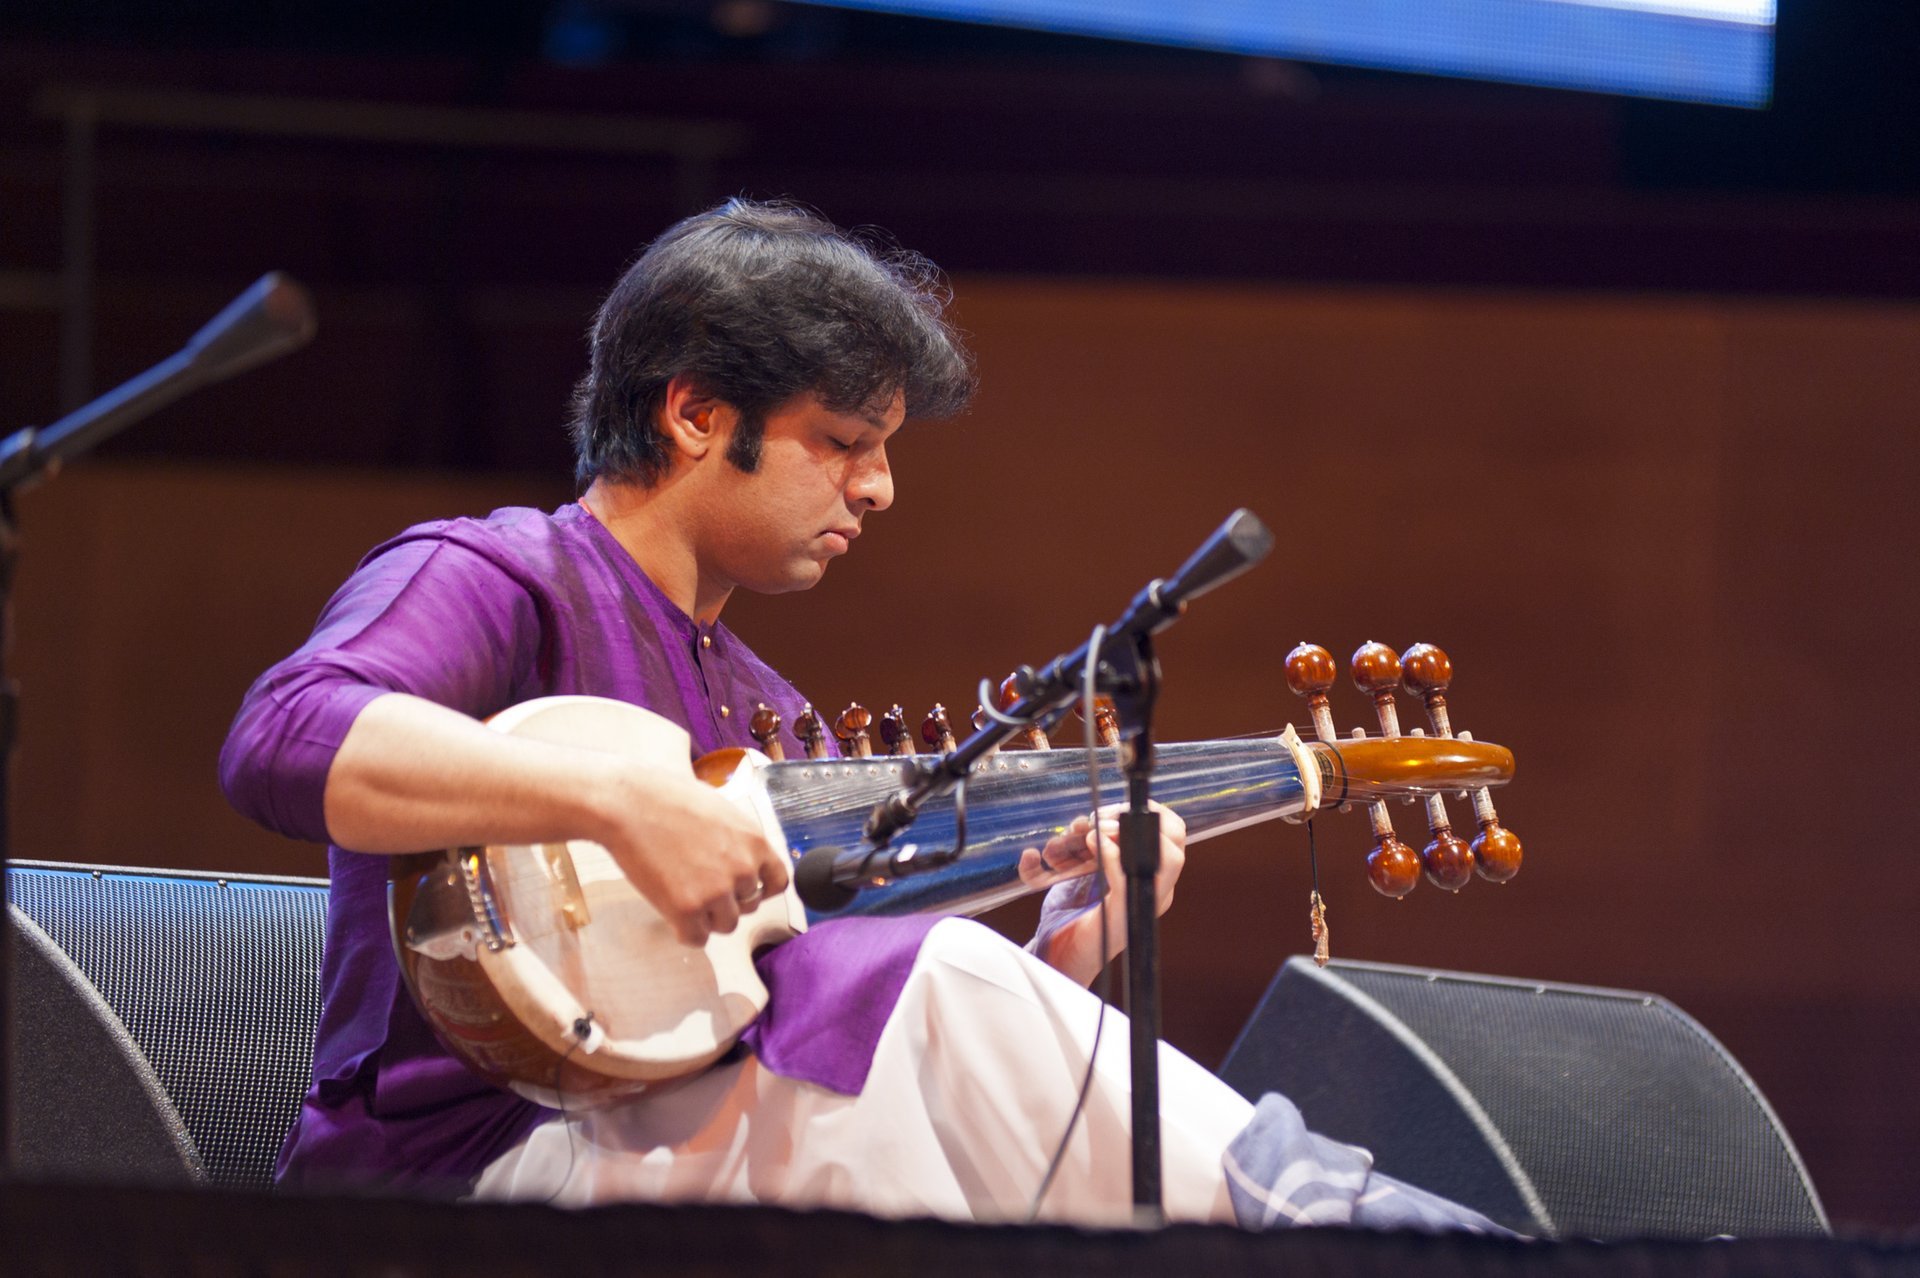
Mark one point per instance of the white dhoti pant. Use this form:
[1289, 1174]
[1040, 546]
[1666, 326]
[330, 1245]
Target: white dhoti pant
[973, 1081]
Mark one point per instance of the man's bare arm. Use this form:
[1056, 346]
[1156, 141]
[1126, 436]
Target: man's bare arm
[412, 776]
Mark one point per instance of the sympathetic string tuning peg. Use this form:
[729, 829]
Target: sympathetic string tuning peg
[765, 728]
[979, 720]
[1310, 672]
[936, 731]
[851, 727]
[893, 732]
[1424, 673]
[1106, 720]
[1031, 738]
[812, 732]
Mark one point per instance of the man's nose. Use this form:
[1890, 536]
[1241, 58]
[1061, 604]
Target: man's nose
[873, 484]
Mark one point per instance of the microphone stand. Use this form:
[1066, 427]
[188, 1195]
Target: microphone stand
[270, 319]
[1128, 672]
[1134, 691]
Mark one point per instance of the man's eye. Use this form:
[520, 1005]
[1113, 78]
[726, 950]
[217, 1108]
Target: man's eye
[841, 445]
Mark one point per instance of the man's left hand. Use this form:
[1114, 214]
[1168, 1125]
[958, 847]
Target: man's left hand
[1074, 948]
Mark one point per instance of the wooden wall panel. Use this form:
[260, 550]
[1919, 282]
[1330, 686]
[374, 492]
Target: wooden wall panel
[1664, 540]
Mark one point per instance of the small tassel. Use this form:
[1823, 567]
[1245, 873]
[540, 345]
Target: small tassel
[1317, 908]
[1322, 935]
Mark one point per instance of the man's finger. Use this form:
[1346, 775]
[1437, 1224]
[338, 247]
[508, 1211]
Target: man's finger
[692, 930]
[723, 915]
[774, 872]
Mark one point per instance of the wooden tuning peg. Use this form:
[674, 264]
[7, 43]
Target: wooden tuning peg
[765, 729]
[1376, 672]
[1496, 849]
[1448, 861]
[894, 734]
[1106, 720]
[851, 727]
[812, 733]
[936, 731]
[1033, 738]
[1426, 671]
[1310, 672]
[1392, 867]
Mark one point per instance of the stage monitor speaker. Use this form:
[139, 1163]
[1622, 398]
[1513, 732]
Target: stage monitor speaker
[84, 1102]
[1560, 1111]
[163, 1021]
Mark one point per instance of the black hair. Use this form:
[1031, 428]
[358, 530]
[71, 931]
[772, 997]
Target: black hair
[757, 303]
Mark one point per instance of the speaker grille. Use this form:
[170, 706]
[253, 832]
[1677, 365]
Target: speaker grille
[1629, 1118]
[217, 980]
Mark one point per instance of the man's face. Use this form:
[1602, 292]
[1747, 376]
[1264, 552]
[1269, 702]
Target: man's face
[820, 473]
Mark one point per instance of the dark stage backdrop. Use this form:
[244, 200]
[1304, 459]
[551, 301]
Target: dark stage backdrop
[1667, 542]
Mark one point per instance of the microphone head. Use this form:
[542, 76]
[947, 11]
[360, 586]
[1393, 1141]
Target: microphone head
[813, 880]
[270, 319]
[1237, 545]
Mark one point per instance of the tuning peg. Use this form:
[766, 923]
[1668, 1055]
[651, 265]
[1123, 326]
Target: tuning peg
[1033, 737]
[1310, 672]
[851, 727]
[1392, 867]
[894, 734]
[765, 729]
[980, 720]
[1424, 671]
[1447, 859]
[1427, 672]
[1376, 672]
[812, 732]
[1106, 720]
[1496, 849]
[936, 731]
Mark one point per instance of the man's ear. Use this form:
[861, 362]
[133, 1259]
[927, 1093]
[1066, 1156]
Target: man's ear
[693, 422]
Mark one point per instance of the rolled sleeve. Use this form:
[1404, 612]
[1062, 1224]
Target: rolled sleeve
[420, 616]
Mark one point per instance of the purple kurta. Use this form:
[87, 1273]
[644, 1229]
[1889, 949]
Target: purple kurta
[480, 615]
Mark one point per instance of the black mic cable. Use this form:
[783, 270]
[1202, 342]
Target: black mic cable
[1102, 982]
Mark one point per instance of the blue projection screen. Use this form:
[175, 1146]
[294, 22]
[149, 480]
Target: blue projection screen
[1697, 50]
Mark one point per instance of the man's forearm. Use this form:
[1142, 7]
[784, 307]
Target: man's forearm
[412, 776]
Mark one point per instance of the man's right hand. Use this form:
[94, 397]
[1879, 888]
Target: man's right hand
[413, 776]
[698, 858]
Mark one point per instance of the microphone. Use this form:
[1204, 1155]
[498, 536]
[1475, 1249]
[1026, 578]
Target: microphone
[1235, 546]
[814, 880]
[828, 878]
[267, 321]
